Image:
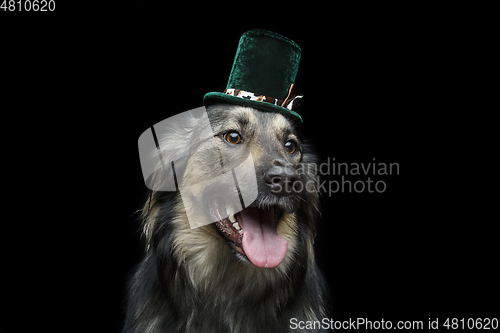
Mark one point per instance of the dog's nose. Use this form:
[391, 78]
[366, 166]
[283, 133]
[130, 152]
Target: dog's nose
[281, 179]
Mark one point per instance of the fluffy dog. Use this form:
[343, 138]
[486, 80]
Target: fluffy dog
[252, 271]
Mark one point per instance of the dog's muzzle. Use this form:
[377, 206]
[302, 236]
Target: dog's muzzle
[281, 180]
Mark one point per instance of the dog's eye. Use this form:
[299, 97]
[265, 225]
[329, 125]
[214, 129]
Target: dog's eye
[290, 147]
[233, 137]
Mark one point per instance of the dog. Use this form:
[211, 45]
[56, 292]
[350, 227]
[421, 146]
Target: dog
[252, 271]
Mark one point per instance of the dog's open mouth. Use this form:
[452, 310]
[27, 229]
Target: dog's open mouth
[253, 234]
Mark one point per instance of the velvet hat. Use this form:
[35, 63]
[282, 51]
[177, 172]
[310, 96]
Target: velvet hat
[263, 74]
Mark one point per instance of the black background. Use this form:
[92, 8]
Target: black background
[376, 85]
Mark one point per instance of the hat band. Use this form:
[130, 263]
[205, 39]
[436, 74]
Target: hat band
[290, 102]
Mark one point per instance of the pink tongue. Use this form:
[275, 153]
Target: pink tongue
[261, 243]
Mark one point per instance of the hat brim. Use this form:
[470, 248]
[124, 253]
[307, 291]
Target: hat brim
[214, 97]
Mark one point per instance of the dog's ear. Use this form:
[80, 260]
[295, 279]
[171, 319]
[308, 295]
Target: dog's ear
[310, 176]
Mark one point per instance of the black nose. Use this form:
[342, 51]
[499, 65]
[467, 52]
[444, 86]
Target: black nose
[281, 179]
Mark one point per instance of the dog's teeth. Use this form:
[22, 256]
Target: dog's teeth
[232, 218]
[241, 231]
[236, 226]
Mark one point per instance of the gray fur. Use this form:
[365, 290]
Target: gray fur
[191, 281]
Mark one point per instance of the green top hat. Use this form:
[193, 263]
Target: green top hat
[263, 74]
